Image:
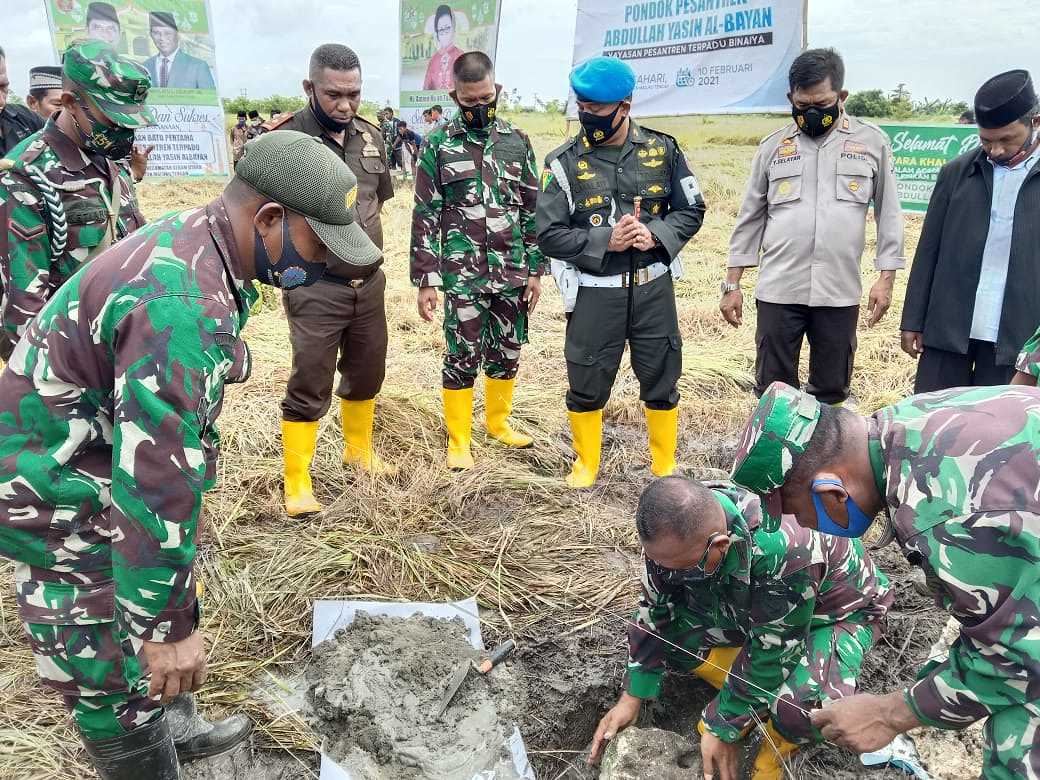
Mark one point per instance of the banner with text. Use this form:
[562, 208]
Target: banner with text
[433, 36]
[696, 56]
[173, 41]
[919, 151]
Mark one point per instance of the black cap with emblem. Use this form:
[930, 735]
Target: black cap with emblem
[1004, 99]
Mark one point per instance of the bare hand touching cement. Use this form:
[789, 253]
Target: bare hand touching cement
[621, 716]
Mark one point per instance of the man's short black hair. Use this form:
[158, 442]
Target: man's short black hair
[334, 56]
[968, 116]
[40, 93]
[443, 10]
[437, 108]
[674, 506]
[401, 124]
[1028, 117]
[242, 114]
[254, 114]
[815, 66]
[471, 67]
[826, 446]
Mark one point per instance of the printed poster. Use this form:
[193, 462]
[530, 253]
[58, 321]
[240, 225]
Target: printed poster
[697, 56]
[173, 41]
[434, 35]
[919, 151]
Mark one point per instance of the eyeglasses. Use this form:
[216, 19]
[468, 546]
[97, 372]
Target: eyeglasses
[444, 30]
[695, 574]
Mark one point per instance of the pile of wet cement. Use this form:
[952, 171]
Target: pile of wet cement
[375, 687]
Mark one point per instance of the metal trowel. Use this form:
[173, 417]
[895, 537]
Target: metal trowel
[497, 656]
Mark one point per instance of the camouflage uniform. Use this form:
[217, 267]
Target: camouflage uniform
[805, 609]
[959, 471]
[108, 408]
[473, 236]
[1029, 359]
[56, 210]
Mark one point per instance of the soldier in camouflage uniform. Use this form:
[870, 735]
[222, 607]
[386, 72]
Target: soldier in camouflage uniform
[108, 410]
[791, 614]
[473, 236]
[1027, 367]
[954, 475]
[64, 195]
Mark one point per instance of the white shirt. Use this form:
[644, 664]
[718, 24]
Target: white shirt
[989, 296]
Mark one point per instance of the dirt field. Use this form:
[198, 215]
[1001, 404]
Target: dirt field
[550, 567]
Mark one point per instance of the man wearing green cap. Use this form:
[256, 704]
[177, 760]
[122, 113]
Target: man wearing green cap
[108, 411]
[65, 194]
[618, 204]
[955, 474]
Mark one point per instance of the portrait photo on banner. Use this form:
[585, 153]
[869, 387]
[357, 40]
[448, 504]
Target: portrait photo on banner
[435, 34]
[172, 39]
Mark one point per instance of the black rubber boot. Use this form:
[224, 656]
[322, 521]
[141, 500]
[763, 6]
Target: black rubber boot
[147, 751]
[195, 737]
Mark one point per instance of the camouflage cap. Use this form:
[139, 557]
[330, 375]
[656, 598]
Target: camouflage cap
[304, 175]
[779, 429]
[118, 85]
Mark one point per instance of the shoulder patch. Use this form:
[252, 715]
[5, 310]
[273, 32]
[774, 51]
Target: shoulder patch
[559, 150]
[274, 124]
[362, 120]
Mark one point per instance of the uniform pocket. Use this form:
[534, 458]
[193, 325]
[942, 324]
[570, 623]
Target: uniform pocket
[460, 187]
[785, 184]
[372, 165]
[854, 181]
[509, 186]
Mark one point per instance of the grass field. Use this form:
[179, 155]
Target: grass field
[540, 559]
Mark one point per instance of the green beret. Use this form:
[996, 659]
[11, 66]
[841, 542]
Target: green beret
[778, 431]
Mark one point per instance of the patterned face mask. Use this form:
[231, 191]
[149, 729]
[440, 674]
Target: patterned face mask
[115, 143]
[291, 270]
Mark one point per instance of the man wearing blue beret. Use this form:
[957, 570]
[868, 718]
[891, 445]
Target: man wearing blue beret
[618, 204]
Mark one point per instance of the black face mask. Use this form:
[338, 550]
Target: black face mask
[479, 117]
[599, 129]
[326, 121]
[115, 143]
[814, 121]
[291, 270]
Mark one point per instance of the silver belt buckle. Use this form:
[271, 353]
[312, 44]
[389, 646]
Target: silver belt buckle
[642, 276]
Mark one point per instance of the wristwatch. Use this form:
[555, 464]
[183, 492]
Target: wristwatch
[728, 287]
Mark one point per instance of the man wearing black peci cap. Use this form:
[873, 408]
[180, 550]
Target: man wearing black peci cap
[45, 86]
[173, 67]
[973, 298]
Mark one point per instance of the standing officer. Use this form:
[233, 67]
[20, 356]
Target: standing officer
[45, 85]
[16, 122]
[473, 236]
[65, 195]
[805, 213]
[618, 204]
[340, 323]
[109, 409]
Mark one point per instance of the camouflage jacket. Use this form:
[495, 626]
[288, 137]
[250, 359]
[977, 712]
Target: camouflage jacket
[770, 590]
[108, 408]
[74, 214]
[473, 227]
[1029, 359]
[960, 470]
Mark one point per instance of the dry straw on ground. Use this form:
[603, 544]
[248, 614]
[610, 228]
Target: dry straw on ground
[538, 557]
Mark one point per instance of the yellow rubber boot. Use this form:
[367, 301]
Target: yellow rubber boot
[498, 405]
[357, 419]
[458, 418]
[662, 426]
[298, 442]
[587, 433]
[774, 751]
[716, 666]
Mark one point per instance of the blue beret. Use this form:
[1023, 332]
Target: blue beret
[603, 80]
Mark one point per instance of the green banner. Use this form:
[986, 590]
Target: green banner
[919, 151]
[173, 41]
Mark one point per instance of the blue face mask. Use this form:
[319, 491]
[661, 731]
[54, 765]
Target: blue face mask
[291, 270]
[858, 520]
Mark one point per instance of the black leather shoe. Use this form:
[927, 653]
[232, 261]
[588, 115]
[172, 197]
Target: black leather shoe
[147, 751]
[195, 737]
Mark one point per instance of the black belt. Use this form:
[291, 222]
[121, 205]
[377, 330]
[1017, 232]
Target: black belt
[344, 282]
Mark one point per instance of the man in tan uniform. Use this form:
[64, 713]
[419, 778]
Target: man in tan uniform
[803, 219]
[339, 323]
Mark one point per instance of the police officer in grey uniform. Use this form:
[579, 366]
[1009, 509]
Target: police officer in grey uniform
[618, 204]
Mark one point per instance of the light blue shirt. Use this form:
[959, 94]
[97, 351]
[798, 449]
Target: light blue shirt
[989, 296]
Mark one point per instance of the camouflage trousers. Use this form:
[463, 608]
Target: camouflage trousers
[95, 666]
[833, 659]
[486, 330]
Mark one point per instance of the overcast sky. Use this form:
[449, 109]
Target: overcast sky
[939, 48]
